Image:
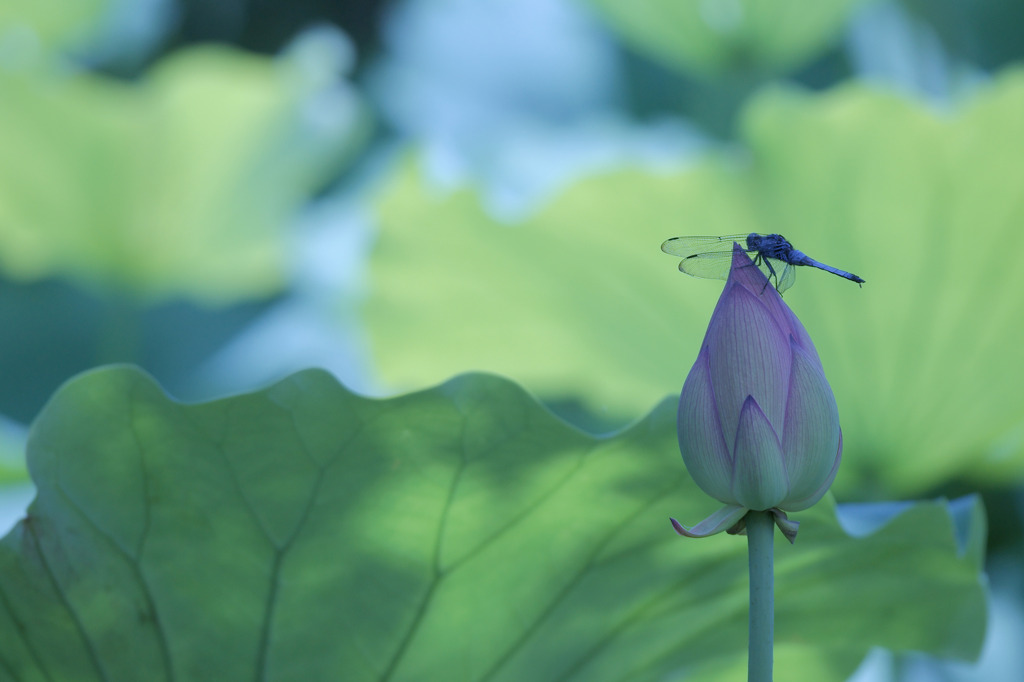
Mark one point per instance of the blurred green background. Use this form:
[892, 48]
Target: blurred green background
[400, 191]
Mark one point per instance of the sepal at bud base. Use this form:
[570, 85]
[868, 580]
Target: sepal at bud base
[733, 520]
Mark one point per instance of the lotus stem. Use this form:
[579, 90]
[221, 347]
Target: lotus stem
[760, 541]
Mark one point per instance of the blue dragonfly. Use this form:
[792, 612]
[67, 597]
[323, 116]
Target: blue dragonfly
[711, 257]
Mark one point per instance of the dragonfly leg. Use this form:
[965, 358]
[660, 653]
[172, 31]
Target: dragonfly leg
[771, 272]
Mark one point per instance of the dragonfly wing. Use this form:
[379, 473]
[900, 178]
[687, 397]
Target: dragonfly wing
[787, 278]
[684, 247]
[713, 265]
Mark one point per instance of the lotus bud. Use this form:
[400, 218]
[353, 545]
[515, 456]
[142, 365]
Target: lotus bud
[758, 424]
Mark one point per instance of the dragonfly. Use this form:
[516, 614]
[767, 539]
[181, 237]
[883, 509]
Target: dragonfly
[711, 257]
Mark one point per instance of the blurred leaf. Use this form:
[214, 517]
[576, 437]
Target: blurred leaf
[572, 303]
[713, 36]
[181, 185]
[30, 25]
[928, 203]
[578, 301]
[462, 533]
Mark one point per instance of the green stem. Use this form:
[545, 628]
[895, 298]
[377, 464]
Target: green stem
[760, 540]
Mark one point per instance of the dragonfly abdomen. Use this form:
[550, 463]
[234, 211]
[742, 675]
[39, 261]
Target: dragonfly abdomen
[835, 271]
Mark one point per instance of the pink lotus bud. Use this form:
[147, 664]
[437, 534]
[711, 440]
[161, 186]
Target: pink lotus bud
[758, 424]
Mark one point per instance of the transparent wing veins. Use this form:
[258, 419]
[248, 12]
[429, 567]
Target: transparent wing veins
[684, 247]
[710, 265]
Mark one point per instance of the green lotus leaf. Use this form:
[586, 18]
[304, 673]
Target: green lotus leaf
[578, 302]
[461, 533]
[724, 35]
[180, 185]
